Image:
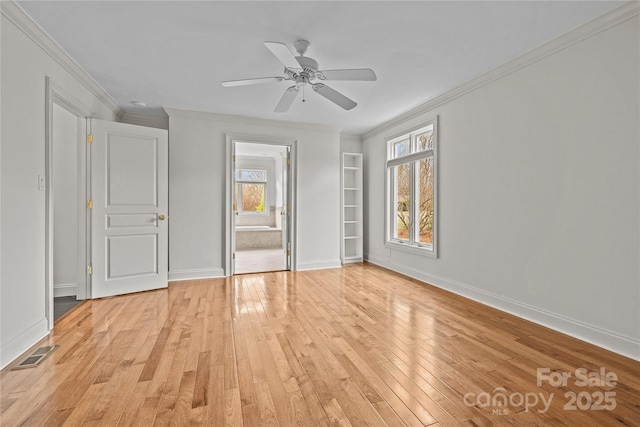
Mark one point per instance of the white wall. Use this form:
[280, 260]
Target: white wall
[25, 63]
[65, 202]
[197, 184]
[350, 144]
[539, 190]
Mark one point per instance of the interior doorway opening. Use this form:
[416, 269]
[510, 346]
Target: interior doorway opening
[65, 198]
[64, 183]
[261, 207]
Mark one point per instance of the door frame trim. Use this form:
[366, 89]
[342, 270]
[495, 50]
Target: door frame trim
[56, 95]
[231, 139]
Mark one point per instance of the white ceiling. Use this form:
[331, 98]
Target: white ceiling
[176, 53]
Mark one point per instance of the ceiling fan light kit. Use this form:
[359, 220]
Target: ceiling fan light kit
[304, 70]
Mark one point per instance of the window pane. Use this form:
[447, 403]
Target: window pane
[251, 175]
[424, 141]
[401, 204]
[252, 197]
[401, 148]
[425, 202]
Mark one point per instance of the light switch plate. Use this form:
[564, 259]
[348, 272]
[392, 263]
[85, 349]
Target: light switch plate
[42, 184]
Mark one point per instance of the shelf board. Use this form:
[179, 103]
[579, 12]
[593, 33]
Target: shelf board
[351, 188]
[351, 237]
[352, 168]
[351, 206]
[351, 222]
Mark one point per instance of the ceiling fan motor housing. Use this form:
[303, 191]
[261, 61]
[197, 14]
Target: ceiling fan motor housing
[307, 63]
[309, 66]
[309, 70]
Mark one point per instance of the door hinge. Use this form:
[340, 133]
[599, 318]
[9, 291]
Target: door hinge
[233, 256]
[233, 158]
[89, 204]
[288, 162]
[89, 270]
[288, 252]
[89, 138]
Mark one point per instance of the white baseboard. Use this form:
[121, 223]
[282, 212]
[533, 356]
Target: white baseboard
[65, 290]
[17, 345]
[207, 273]
[318, 265]
[624, 345]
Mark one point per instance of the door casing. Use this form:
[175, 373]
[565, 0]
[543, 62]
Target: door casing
[55, 95]
[291, 189]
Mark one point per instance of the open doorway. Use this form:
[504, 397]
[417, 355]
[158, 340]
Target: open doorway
[261, 207]
[66, 221]
[64, 184]
[66, 210]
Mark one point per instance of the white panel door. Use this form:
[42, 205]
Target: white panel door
[129, 191]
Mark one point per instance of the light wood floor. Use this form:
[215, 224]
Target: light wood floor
[354, 346]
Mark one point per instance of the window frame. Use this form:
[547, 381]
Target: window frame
[239, 182]
[412, 245]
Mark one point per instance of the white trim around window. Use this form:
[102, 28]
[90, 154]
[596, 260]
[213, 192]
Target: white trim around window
[411, 190]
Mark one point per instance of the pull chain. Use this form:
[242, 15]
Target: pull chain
[303, 85]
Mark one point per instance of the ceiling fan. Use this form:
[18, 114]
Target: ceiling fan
[305, 70]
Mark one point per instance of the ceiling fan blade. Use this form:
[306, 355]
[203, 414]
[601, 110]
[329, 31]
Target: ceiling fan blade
[284, 55]
[245, 82]
[358, 74]
[287, 99]
[334, 96]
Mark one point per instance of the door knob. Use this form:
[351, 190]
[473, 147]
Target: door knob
[161, 217]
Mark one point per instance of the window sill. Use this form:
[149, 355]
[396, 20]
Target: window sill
[405, 247]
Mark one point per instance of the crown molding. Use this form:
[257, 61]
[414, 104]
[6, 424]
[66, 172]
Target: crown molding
[17, 16]
[344, 137]
[610, 19]
[229, 118]
[139, 119]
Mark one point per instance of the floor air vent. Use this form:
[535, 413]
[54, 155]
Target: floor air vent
[37, 356]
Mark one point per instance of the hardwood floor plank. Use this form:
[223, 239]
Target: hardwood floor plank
[232, 408]
[200, 392]
[336, 415]
[245, 382]
[266, 408]
[111, 403]
[215, 399]
[134, 405]
[157, 351]
[353, 346]
[316, 410]
[183, 403]
[277, 390]
[84, 406]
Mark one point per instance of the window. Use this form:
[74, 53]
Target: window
[411, 190]
[250, 192]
